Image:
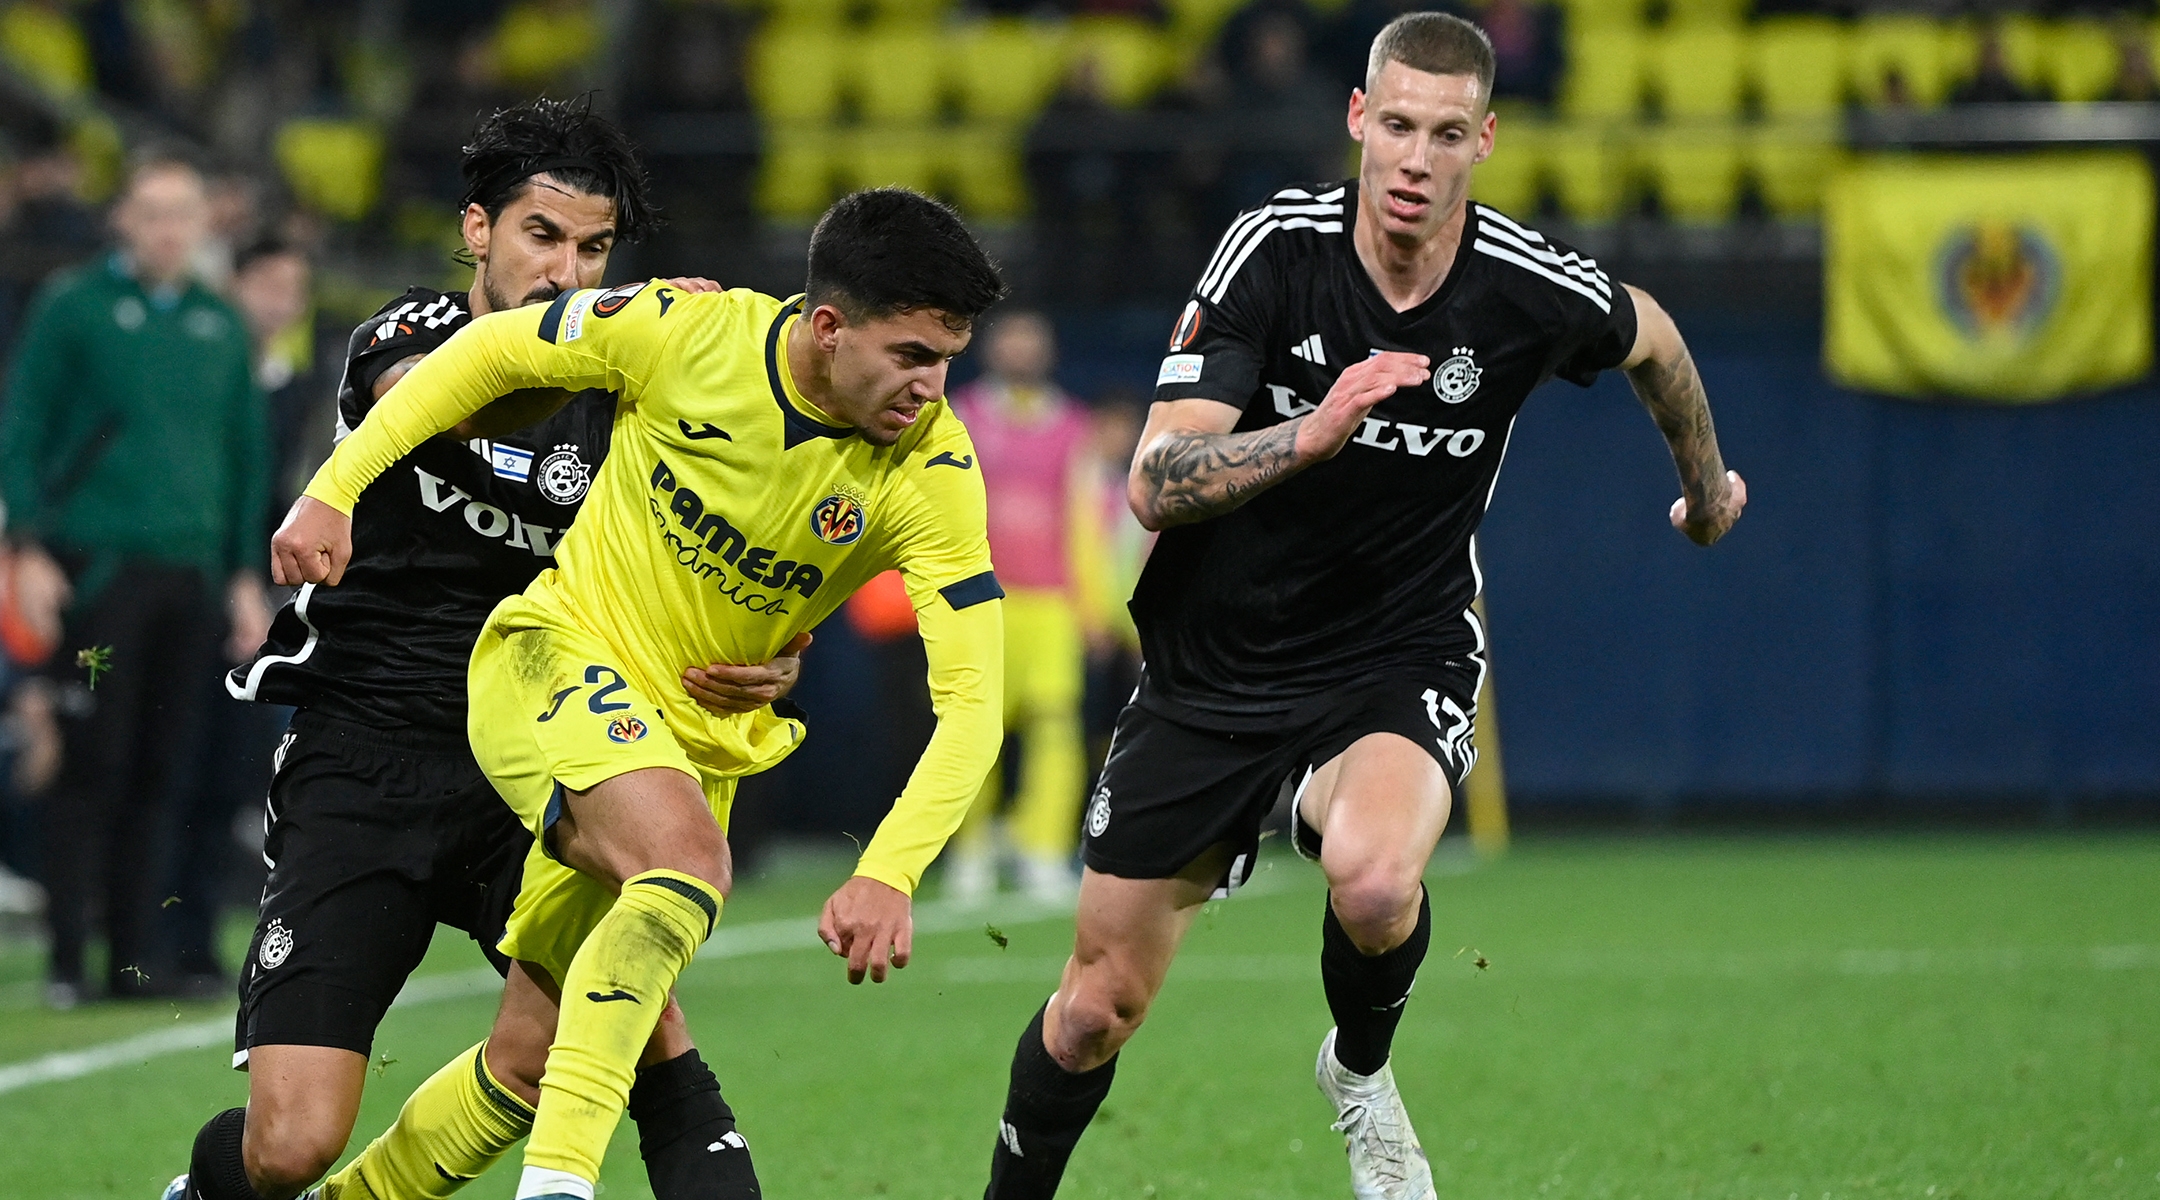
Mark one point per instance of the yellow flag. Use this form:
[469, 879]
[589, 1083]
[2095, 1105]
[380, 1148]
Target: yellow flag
[2014, 278]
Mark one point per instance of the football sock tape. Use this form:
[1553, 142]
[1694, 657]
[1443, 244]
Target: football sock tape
[1047, 1108]
[633, 955]
[687, 1135]
[216, 1170]
[452, 1128]
[1367, 992]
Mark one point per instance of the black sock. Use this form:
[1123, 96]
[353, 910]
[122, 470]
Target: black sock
[1366, 992]
[215, 1170]
[686, 1134]
[1047, 1108]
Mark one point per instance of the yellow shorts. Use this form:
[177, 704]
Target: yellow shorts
[548, 711]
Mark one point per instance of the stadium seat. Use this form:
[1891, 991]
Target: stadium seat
[1604, 71]
[1792, 162]
[1512, 179]
[1588, 163]
[1005, 69]
[2082, 59]
[916, 12]
[535, 44]
[809, 12]
[2024, 46]
[46, 48]
[795, 70]
[889, 156]
[1680, 13]
[1196, 22]
[1127, 56]
[898, 73]
[333, 167]
[795, 174]
[1604, 14]
[1696, 69]
[982, 163]
[1695, 170]
[1798, 66]
[1908, 47]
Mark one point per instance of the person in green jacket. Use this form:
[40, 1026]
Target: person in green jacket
[132, 452]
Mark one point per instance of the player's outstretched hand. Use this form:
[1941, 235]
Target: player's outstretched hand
[312, 546]
[1356, 390]
[696, 283]
[1706, 523]
[869, 924]
[726, 688]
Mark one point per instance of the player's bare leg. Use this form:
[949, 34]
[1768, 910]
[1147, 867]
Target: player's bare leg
[1128, 931]
[1380, 807]
[302, 1102]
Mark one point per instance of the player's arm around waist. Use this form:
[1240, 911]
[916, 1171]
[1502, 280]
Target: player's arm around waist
[1664, 377]
[1190, 466]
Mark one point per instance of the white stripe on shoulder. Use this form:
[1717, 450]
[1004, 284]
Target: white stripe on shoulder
[1222, 288]
[1508, 254]
[1235, 241]
[1533, 244]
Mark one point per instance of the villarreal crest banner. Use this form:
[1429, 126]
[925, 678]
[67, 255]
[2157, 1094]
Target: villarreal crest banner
[1999, 278]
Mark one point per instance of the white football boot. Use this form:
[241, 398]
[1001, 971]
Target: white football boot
[176, 1190]
[1386, 1162]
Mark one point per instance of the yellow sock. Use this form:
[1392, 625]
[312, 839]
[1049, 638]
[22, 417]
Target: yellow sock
[451, 1129]
[611, 999]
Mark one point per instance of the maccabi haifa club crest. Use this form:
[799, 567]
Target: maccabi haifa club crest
[1455, 379]
[1997, 280]
[625, 730]
[564, 477]
[838, 519]
[1098, 815]
[277, 944]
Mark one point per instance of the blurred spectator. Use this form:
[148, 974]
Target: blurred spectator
[2134, 77]
[1992, 82]
[1526, 47]
[131, 452]
[1111, 566]
[1344, 45]
[696, 57]
[1274, 88]
[272, 289]
[44, 225]
[1033, 442]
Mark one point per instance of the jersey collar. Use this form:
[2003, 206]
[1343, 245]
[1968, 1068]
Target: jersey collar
[1371, 291]
[798, 425]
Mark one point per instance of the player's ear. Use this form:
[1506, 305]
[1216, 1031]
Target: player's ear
[1357, 114]
[1485, 137]
[826, 322]
[477, 230]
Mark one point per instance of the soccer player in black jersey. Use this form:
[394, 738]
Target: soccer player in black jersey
[380, 823]
[1327, 430]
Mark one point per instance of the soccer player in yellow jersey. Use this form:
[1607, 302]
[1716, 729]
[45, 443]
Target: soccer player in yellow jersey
[768, 458]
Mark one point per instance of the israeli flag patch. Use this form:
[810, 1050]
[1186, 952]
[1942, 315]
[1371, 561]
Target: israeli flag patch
[511, 462]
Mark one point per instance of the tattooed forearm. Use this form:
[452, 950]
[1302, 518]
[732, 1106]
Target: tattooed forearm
[1673, 392]
[1184, 477]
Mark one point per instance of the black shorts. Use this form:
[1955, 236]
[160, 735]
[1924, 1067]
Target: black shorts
[1170, 791]
[375, 837]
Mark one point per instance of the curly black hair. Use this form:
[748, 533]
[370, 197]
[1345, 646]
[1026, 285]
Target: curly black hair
[564, 139]
[889, 250]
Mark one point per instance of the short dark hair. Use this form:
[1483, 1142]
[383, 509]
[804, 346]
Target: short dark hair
[265, 248]
[564, 139]
[1436, 43]
[889, 250]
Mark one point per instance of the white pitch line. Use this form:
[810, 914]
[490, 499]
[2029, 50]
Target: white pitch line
[757, 937]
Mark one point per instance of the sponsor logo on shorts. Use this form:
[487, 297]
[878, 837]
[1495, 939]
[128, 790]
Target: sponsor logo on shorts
[625, 730]
[277, 944]
[838, 519]
[1098, 815]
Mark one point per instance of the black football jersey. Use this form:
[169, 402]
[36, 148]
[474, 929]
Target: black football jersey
[438, 540]
[1365, 564]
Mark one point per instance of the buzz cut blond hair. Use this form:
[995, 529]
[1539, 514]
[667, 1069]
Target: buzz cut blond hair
[1436, 43]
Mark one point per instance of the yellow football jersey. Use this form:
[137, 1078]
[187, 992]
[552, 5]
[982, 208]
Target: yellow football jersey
[728, 515]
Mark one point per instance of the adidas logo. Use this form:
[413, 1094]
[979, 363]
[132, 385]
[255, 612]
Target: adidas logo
[1310, 351]
[730, 1140]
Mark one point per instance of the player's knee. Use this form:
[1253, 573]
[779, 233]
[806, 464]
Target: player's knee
[1376, 906]
[1100, 1017]
[285, 1158]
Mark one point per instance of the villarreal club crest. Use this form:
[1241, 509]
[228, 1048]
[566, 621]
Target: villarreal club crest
[838, 519]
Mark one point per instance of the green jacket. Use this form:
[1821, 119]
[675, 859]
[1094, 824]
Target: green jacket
[133, 429]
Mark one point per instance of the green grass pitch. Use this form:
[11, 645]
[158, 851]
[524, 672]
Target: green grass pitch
[1779, 1018]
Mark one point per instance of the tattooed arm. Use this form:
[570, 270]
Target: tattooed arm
[1190, 467]
[1664, 378]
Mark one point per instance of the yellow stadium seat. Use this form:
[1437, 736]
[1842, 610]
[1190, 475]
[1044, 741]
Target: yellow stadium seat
[1198, 21]
[1695, 169]
[333, 167]
[1705, 12]
[889, 156]
[1005, 69]
[795, 71]
[910, 11]
[537, 43]
[2083, 59]
[982, 164]
[47, 49]
[1587, 14]
[898, 74]
[1604, 71]
[1791, 162]
[795, 174]
[1590, 170]
[1910, 48]
[1512, 179]
[1798, 65]
[809, 12]
[1696, 70]
[1127, 57]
